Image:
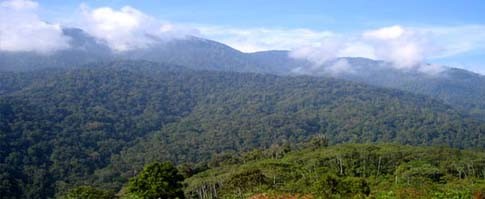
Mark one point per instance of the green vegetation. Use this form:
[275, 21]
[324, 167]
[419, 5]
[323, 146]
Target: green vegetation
[348, 171]
[157, 180]
[317, 171]
[459, 88]
[88, 192]
[462, 89]
[100, 125]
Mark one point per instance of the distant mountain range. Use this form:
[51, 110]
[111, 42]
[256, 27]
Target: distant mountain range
[460, 88]
[192, 52]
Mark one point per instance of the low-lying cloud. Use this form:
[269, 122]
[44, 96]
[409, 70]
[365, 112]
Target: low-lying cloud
[404, 48]
[128, 28]
[261, 39]
[332, 48]
[21, 29]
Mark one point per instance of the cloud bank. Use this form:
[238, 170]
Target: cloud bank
[261, 39]
[124, 29]
[128, 28]
[21, 29]
[404, 48]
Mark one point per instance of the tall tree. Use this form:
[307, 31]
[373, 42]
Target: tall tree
[157, 180]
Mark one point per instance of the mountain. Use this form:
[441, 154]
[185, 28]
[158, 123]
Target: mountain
[457, 87]
[84, 49]
[102, 122]
[192, 52]
[200, 54]
[90, 114]
[460, 88]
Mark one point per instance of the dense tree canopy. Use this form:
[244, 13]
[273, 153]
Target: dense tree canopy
[102, 123]
[348, 171]
[88, 192]
[157, 180]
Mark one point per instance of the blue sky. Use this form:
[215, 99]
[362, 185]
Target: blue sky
[443, 32]
[342, 15]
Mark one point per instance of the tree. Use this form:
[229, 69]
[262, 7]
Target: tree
[157, 180]
[318, 141]
[88, 192]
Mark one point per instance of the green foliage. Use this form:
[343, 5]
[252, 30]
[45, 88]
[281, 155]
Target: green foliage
[350, 171]
[88, 192]
[331, 186]
[318, 141]
[246, 181]
[157, 180]
[418, 172]
[101, 124]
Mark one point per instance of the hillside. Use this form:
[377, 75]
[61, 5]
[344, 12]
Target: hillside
[83, 49]
[192, 52]
[346, 171]
[460, 88]
[100, 123]
[457, 87]
[242, 99]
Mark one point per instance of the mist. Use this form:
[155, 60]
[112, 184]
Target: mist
[21, 29]
[127, 28]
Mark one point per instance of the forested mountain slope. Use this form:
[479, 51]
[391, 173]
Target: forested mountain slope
[83, 49]
[61, 126]
[190, 51]
[460, 88]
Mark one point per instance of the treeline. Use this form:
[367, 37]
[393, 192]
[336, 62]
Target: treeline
[101, 124]
[313, 170]
[347, 171]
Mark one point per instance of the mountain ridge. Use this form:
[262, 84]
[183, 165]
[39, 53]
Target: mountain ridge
[458, 87]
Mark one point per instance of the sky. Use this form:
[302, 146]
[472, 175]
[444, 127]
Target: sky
[403, 32]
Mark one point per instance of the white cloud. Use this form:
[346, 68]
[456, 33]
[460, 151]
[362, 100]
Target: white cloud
[334, 68]
[128, 28]
[21, 29]
[319, 53]
[405, 48]
[260, 39]
[332, 48]
[386, 33]
[357, 49]
[340, 67]
[455, 40]
[19, 4]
